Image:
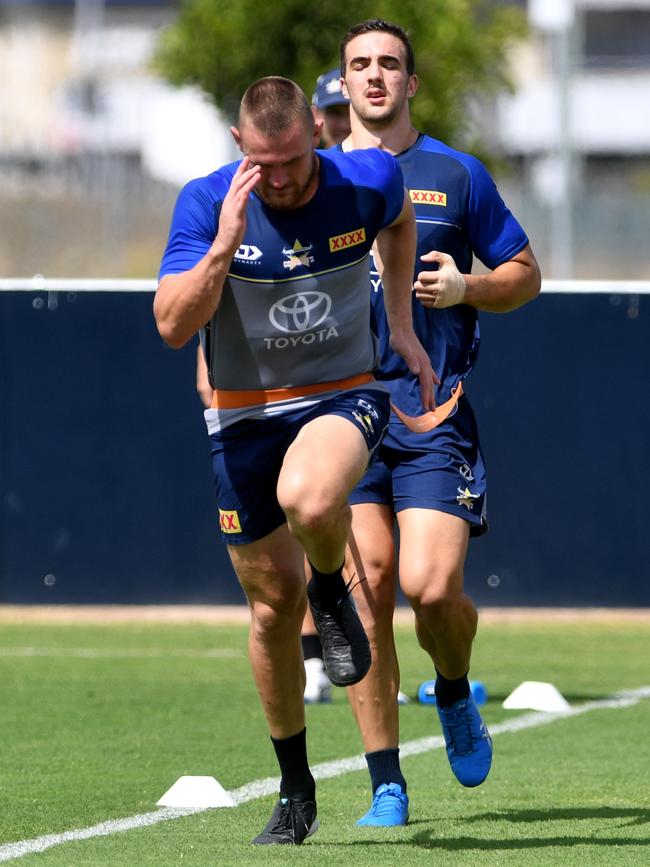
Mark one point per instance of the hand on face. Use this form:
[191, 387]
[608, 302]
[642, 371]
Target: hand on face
[232, 219]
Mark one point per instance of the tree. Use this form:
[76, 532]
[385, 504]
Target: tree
[461, 49]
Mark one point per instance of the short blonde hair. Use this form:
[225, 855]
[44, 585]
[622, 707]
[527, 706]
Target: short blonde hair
[273, 104]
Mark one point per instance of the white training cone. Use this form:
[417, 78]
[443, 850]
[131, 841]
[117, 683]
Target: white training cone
[191, 793]
[535, 695]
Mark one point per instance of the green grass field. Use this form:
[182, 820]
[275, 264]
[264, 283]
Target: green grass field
[98, 721]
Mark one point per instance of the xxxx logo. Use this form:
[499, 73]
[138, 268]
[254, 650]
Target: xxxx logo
[348, 239]
[428, 197]
[229, 521]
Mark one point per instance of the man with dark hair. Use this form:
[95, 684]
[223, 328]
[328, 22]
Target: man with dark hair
[268, 258]
[432, 481]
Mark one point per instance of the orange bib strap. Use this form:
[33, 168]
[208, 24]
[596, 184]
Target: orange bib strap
[429, 420]
[223, 399]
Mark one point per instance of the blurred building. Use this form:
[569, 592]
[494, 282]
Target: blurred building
[93, 144]
[607, 77]
[579, 125]
[82, 113]
[77, 78]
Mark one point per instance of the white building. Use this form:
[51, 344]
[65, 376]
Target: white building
[76, 78]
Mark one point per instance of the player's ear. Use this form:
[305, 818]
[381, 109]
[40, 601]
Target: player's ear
[318, 131]
[236, 135]
[344, 88]
[414, 83]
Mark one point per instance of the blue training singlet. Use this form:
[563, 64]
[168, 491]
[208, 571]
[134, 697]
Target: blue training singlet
[459, 211]
[295, 308]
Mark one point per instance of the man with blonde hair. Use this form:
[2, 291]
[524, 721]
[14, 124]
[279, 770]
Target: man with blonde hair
[268, 258]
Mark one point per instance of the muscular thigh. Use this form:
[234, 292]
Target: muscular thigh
[333, 446]
[323, 466]
[249, 456]
[433, 546]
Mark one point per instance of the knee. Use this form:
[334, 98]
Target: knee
[307, 505]
[437, 598]
[275, 605]
[277, 617]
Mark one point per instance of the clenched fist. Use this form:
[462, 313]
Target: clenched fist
[442, 288]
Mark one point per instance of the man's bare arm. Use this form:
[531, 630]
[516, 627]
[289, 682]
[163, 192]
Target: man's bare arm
[508, 286]
[185, 302]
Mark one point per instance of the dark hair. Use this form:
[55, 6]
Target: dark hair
[273, 104]
[378, 25]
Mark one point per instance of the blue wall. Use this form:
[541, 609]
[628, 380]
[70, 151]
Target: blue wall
[105, 486]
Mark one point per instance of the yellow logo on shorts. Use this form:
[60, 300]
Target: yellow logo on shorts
[229, 521]
[466, 498]
[428, 197]
[348, 239]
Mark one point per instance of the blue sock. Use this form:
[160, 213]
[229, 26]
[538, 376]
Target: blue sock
[384, 768]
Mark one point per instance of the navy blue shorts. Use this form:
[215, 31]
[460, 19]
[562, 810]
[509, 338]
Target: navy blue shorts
[247, 458]
[446, 473]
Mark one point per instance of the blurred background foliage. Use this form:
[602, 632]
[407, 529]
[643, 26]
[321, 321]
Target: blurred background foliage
[461, 49]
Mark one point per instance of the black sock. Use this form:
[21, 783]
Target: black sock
[448, 692]
[384, 768]
[297, 782]
[311, 646]
[327, 587]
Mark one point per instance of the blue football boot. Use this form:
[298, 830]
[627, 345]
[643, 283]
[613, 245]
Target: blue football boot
[469, 745]
[390, 807]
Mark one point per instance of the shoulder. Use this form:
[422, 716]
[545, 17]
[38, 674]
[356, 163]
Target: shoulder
[210, 188]
[462, 172]
[363, 165]
[464, 163]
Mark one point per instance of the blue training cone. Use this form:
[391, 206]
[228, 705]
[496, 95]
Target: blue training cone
[427, 692]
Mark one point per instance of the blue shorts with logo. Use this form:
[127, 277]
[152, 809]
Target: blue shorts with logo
[247, 458]
[446, 473]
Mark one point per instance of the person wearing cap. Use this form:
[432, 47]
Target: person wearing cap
[331, 108]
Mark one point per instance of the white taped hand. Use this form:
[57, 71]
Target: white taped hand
[442, 288]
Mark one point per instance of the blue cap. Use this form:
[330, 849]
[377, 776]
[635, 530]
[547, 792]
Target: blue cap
[328, 90]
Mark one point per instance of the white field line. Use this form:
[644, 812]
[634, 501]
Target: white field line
[323, 771]
[117, 653]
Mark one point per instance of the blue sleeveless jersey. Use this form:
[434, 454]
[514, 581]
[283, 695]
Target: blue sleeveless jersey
[295, 307]
[459, 211]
